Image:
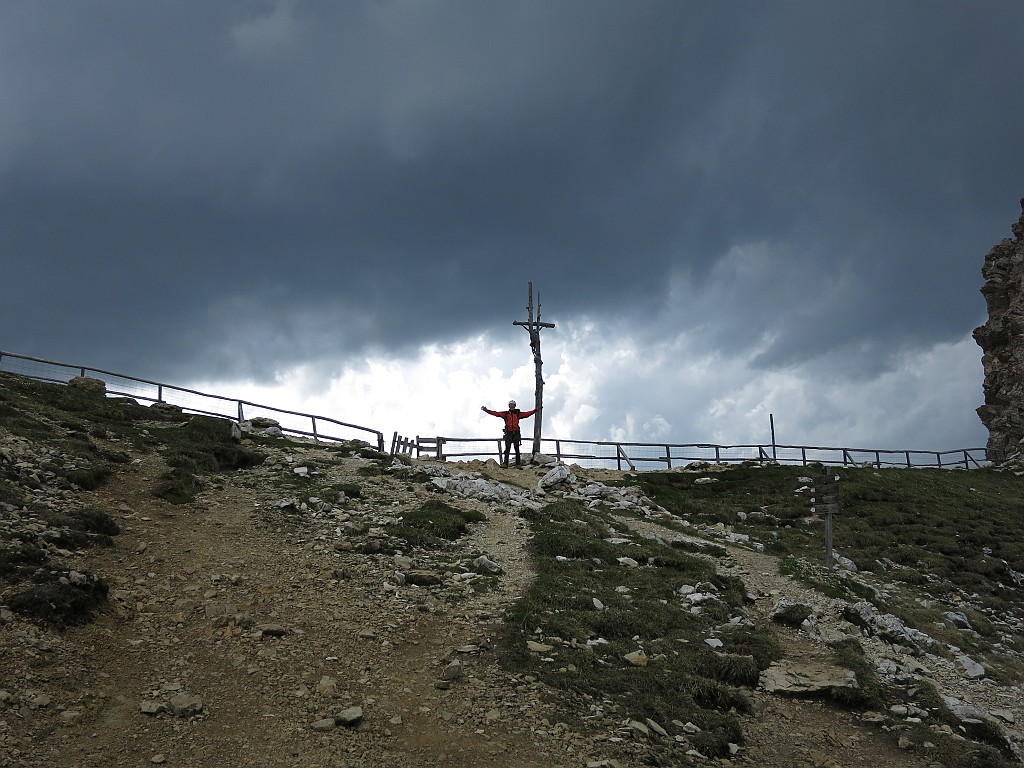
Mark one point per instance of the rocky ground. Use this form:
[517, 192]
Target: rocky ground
[263, 627]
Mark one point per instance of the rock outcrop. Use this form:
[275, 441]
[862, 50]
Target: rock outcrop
[1002, 342]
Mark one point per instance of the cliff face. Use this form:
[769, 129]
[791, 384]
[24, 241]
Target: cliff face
[1002, 342]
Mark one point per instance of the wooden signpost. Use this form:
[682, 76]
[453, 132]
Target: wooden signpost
[826, 500]
[533, 327]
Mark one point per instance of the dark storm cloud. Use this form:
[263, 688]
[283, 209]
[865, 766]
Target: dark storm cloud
[232, 187]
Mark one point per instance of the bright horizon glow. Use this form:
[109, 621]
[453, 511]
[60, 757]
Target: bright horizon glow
[592, 387]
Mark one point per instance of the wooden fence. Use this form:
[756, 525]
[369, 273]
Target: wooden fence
[586, 453]
[647, 456]
[421, 447]
[192, 401]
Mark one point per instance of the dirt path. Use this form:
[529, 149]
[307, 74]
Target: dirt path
[274, 631]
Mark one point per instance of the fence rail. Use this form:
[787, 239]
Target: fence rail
[193, 401]
[641, 456]
[585, 453]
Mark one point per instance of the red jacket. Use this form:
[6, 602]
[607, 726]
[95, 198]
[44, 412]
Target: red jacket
[511, 417]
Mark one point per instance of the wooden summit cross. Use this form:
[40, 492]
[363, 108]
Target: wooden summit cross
[533, 328]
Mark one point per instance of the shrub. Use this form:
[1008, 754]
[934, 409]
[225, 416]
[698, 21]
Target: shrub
[89, 479]
[59, 604]
[434, 522]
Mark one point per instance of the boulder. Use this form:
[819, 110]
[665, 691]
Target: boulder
[795, 677]
[95, 386]
[262, 422]
[185, 705]
[557, 476]
[636, 658]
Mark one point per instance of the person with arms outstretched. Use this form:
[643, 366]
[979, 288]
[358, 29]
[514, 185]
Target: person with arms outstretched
[513, 437]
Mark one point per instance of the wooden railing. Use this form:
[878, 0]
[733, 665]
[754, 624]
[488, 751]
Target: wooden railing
[640, 456]
[190, 400]
[587, 453]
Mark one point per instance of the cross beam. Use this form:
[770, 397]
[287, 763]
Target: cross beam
[533, 327]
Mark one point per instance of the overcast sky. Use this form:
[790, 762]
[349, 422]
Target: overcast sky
[729, 209]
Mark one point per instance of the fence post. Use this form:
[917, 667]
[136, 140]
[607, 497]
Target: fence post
[938, 458]
[241, 417]
[315, 436]
[621, 454]
[440, 448]
[668, 457]
[159, 393]
[907, 453]
[828, 538]
[558, 450]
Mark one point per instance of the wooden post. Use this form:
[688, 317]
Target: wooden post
[533, 328]
[771, 421]
[826, 499]
[828, 538]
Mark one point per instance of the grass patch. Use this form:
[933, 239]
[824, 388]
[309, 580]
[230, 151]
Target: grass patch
[335, 491]
[18, 560]
[434, 523]
[869, 693]
[793, 615]
[10, 493]
[89, 479]
[56, 602]
[955, 752]
[200, 445]
[637, 607]
[834, 583]
[950, 525]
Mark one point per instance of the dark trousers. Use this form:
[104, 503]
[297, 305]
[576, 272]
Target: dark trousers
[512, 438]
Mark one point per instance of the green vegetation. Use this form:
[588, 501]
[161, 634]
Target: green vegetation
[434, 523]
[202, 444]
[29, 408]
[870, 693]
[829, 581]
[947, 531]
[191, 445]
[334, 491]
[925, 542]
[793, 615]
[52, 600]
[638, 608]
